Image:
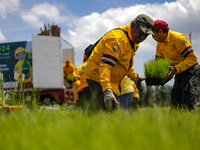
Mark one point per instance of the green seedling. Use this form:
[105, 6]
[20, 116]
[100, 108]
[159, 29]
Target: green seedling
[156, 68]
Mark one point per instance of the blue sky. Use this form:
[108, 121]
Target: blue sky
[84, 21]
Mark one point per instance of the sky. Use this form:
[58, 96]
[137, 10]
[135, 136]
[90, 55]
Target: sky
[83, 22]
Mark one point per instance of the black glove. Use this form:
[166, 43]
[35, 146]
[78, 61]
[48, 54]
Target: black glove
[138, 81]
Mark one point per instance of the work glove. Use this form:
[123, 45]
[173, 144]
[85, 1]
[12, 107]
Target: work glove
[109, 97]
[138, 81]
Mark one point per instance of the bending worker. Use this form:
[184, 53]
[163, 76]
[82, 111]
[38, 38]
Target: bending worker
[177, 47]
[112, 59]
[81, 88]
[68, 68]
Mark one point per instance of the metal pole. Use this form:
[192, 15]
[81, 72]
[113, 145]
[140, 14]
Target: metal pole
[190, 37]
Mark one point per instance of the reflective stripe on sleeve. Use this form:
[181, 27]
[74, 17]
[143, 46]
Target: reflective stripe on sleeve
[187, 51]
[108, 59]
[75, 78]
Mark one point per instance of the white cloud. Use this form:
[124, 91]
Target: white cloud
[2, 37]
[7, 6]
[42, 13]
[89, 28]
[181, 15]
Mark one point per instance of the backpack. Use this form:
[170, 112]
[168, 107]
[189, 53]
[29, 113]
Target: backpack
[89, 49]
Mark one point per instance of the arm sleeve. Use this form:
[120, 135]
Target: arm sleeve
[71, 68]
[109, 59]
[104, 71]
[188, 62]
[76, 77]
[77, 83]
[132, 74]
[185, 49]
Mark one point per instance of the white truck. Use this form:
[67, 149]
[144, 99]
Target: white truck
[38, 64]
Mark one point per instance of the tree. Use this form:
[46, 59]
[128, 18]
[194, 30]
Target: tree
[147, 96]
[155, 95]
[163, 95]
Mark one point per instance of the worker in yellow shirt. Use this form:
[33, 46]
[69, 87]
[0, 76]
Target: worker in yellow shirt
[112, 59]
[68, 68]
[177, 47]
[125, 93]
[76, 83]
[81, 89]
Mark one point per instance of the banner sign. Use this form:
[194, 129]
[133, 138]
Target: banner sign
[16, 63]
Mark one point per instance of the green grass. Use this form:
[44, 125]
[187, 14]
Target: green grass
[156, 68]
[69, 128]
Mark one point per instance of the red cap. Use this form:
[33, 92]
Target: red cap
[160, 24]
[67, 62]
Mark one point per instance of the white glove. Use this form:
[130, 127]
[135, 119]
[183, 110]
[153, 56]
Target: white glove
[109, 97]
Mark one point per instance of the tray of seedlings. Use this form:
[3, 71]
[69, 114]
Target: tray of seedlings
[156, 71]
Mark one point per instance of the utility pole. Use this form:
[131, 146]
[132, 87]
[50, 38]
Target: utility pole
[190, 37]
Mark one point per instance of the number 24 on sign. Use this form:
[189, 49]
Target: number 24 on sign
[4, 48]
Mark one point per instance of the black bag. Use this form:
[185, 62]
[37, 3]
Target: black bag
[89, 49]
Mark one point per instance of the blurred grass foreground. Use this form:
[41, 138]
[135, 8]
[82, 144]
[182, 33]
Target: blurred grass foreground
[69, 128]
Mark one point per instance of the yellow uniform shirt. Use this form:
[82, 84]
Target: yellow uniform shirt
[126, 86]
[68, 69]
[78, 81]
[112, 59]
[178, 49]
[136, 91]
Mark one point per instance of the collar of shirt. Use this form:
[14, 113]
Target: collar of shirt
[128, 29]
[168, 37]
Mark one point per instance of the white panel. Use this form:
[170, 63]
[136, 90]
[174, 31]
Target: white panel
[47, 62]
[68, 54]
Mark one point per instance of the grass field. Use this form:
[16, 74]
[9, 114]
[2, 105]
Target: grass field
[69, 128]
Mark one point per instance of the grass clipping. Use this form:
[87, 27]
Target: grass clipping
[157, 68]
